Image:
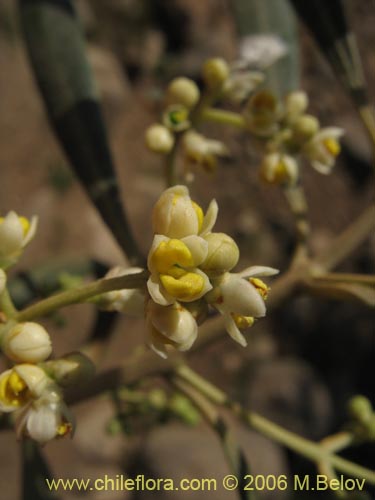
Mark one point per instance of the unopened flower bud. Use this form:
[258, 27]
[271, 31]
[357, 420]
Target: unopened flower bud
[215, 72]
[305, 127]
[222, 256]
[159, 139]
[295, 104]
[262, 113]
[360, 408]
[27, 343]
[73, 368]
[279, 169]
[183, 91]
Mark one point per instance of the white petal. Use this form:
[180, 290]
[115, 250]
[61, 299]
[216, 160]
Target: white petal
[241, 297]
[32, 230]
[11, 235]
[209, 218]
[234, 331]
[198, 248]
[323, 168]
[249, 272]
[42, 423]
[175, 322]
[157, 292]
[34, 377]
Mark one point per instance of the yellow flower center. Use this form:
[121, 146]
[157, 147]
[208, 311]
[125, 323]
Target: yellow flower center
[187, 287]
[281, 173]
[13, 390]
[261, 287]
[332, 146]
[171, 253]
[243, 322]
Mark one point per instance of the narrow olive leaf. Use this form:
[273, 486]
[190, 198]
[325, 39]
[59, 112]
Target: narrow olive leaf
[268, 32]
[328, 23]
[57, 52]
[35, 474]
[345, 291]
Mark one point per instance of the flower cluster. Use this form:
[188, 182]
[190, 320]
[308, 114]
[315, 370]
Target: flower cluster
[290, 134]
[190, 268]
[183, 102]
[32, 388]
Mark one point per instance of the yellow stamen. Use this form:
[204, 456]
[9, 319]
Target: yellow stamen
[171, 253]
[260, 286]
[243, 322]
[13, 390]
[199, 213]
[186, 288]
[25, 225]
[280, 174]
[332, 146]
[64, 429]
[176, 272]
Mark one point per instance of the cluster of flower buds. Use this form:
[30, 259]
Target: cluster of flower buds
[190, 268]
[290, 134]
[182, 100]
[32, 388]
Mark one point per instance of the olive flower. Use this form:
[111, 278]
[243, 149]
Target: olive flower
[240, 297]
[323, 148]
[173, 264]
[172, 325]
[175, 214]
[15, 233]
[27, 343]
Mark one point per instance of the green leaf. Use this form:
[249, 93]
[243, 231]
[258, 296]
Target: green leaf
[58, 57]
[276, 19]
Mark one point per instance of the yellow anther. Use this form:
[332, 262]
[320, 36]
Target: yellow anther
[13, 390]
[186, 288]
[64, 429]
[243, 322]
[171, 253]
[332, 146]
[199, 213]
[176, 272]
[25, 225]
[261, 287]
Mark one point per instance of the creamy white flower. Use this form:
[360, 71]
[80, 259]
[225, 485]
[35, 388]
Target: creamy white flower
[15, 233]
[45, 418]
[175, 214]
[222, 255]
[20, 385]
[173, 264]
[295, 104]
[239, 297]
[262, 114]
[3, 280]
[241, 83]
[198, 149]
[159, 139]
[278, 168]
[170, 325]
[27, 343]
[128, 301]
[323, 149]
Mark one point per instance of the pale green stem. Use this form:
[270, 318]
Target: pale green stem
[363, 279]
[304, 447]
[223, 117]
[46, 306]
[6, 304]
